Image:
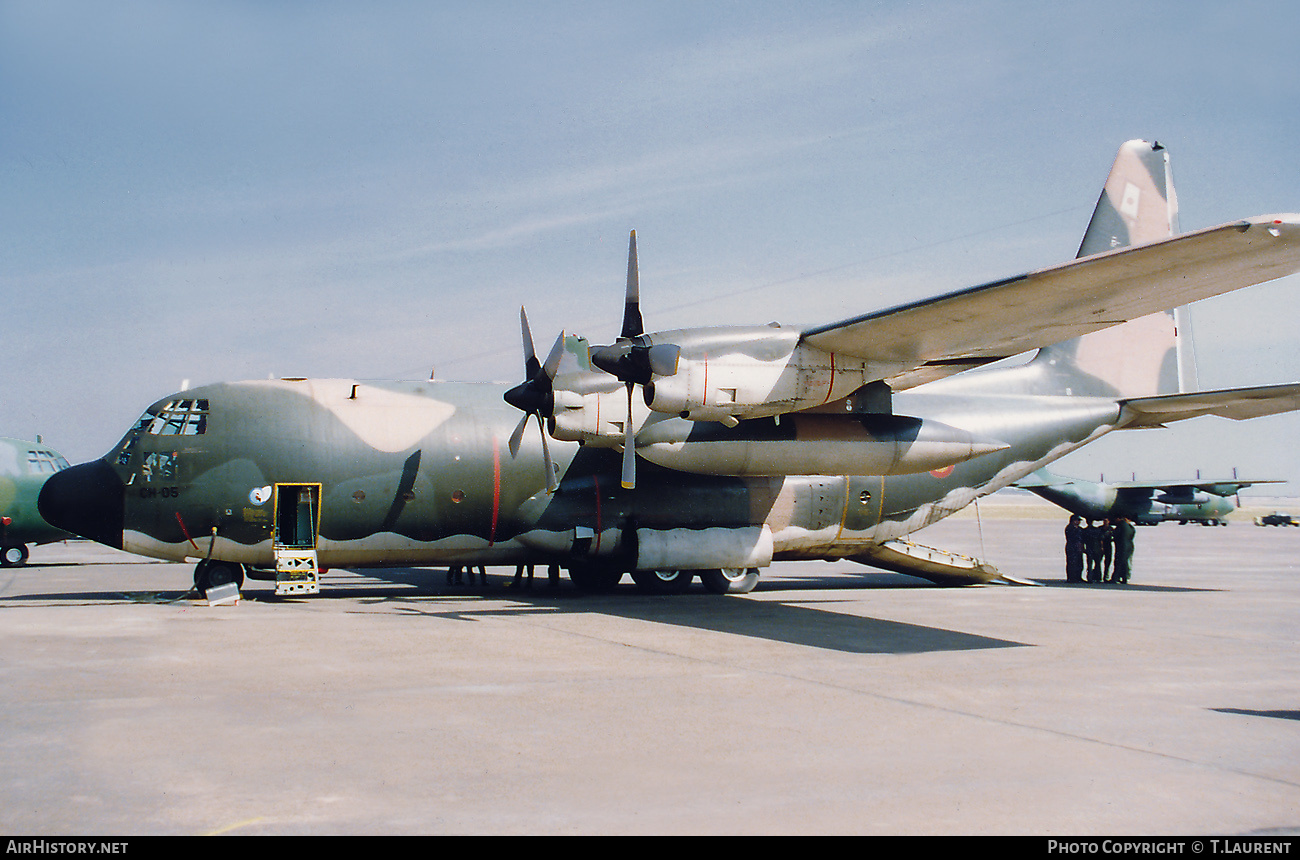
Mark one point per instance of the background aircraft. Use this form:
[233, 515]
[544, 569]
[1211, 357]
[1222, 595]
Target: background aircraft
[1144, 502]
[24, 467]
[745, 445]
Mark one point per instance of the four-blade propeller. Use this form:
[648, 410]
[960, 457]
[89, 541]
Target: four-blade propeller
[632, 359]
[536, 395]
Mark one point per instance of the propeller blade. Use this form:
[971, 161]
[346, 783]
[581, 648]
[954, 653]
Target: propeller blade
[530, 356]
[629, 447]
[632, 325]
[551, 486]
[517, 436]
[553, 359]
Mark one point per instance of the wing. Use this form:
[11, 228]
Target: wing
[1235, 403]
[940, 336]
[1175, 489]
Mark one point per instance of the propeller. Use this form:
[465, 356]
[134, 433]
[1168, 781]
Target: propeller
[536, 395]
[632, 359]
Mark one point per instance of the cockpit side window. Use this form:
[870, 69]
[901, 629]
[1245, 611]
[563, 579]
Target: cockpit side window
[41, 462]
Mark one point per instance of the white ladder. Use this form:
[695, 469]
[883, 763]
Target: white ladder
[296, 570]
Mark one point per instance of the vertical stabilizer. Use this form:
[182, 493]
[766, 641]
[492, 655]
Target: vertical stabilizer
[1148, 355]
[1137, 205]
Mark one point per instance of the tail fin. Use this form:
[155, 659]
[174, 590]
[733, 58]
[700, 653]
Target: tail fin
[1149, 355]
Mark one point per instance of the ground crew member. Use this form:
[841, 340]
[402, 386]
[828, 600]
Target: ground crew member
[1092, 538]
[1125, 538]
[1074, 549]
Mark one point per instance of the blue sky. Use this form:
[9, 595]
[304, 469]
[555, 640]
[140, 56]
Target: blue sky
[209, 191]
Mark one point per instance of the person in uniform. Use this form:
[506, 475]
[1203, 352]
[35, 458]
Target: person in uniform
[1092, 537]
[1125, 538]
[1107, 548]
[1074, 549]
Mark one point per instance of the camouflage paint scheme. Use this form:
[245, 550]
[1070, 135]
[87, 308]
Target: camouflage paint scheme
[1144, 502]
[420, 473]
[24, 467]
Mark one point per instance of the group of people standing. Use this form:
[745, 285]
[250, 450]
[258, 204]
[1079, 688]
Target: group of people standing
[1100, 550]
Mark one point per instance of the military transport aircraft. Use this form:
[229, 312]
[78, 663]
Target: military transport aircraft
[740, 445]
[24, 467]
[1146, 503]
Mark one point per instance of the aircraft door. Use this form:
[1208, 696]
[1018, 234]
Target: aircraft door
[297, 522]
[296, 509]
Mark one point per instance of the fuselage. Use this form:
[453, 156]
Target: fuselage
[24, 468]
[419, 473]
[1097, 501]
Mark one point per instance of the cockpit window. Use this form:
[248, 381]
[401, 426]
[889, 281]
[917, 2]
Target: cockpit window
[182, 417]
[41, 462]
[177, 418]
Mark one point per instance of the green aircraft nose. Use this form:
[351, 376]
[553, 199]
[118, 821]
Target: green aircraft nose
[87, 500]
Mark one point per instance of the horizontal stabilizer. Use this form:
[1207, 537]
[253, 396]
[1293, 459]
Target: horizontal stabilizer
[934, 337]
[1235, 403]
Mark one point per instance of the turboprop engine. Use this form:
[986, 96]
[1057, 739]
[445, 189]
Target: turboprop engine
[811, 444]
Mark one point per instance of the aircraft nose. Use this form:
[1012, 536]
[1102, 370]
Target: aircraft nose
[87, 500]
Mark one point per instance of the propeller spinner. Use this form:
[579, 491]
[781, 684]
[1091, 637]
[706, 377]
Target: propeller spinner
[632, 359]
[536, 395]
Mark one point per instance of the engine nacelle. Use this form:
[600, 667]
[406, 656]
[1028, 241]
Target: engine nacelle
[594, 418]
[738, 372]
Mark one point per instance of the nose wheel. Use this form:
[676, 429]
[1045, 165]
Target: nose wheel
[210, 574]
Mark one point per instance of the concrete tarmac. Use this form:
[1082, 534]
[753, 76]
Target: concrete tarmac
[831, 700]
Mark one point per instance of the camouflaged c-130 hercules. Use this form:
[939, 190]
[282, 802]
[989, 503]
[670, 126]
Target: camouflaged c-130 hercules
[710, 451]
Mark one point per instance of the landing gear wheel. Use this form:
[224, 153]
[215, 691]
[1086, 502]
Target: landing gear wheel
[663, 581]
[13, 555]
[210, 574]
[730, 580]
[595, 579]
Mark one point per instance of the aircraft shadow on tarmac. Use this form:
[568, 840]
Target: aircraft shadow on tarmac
[1279, 714]
[418, 590]
[774, 621]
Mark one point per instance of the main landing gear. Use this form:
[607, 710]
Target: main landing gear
[13, 554]
[729, 580]
[600, 579]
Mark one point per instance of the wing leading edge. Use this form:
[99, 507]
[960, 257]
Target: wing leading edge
[937, 337]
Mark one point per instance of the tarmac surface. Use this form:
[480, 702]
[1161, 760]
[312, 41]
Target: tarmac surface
[831, 700]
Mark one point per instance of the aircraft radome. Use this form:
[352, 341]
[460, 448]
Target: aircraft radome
[24, 468]
[740, 445]
[1147, 503]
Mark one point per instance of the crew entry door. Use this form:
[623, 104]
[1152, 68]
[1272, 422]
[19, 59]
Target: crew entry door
[297, 520]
